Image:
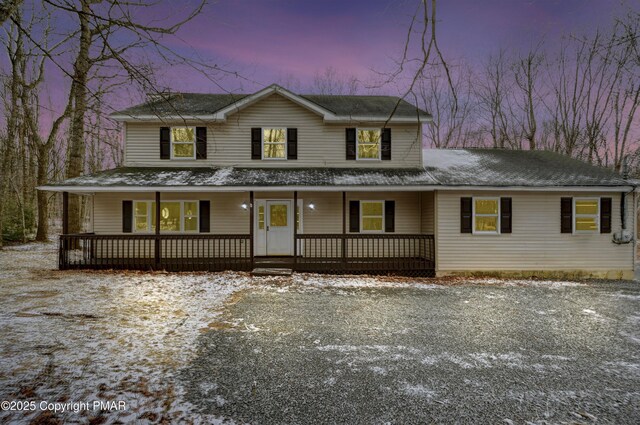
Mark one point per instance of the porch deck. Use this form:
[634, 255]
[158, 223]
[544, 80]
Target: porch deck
[412, 255]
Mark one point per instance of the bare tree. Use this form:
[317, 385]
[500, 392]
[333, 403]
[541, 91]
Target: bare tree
[8, 8]
[331, 81]
[495, 104]
[526, 73]
[452, 124]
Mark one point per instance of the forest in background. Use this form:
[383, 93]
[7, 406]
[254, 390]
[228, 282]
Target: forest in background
[578, 95]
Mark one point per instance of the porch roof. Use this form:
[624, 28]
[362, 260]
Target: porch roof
[249, 177]
[443, 169]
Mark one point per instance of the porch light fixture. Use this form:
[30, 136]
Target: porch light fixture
[311, 206]
[244, 205]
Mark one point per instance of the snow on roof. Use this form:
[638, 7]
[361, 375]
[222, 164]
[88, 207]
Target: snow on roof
[500, 167]
[442, 167]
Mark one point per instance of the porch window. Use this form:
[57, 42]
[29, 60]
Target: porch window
[368, 143]
[274, 143]
[486, 215]
[183, 142]
[261, 217]
[372, 216]
[175, 216]
[587, 215]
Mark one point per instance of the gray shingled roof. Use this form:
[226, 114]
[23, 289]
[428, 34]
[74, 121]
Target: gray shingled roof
[217, 177]
[498, 167]
[442, 167]
[189, 104]
[183, 104]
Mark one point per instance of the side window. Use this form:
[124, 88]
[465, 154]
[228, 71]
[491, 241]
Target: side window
[586, 217]
[486, 215]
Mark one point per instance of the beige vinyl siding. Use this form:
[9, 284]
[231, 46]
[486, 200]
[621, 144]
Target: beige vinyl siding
[536, 242]
[229, 144]
[226, 215]
[427, 217]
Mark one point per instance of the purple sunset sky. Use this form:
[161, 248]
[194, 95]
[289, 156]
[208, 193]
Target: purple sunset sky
[267, 40]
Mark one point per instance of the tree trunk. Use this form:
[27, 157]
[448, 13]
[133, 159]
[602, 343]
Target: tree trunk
[76, 149]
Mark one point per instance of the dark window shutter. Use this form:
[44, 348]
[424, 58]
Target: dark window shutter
[605, 215]
[385, 144]
[127, 216]
[350, 138]
[354, 216]
[505, 215]
[205, 216]
[465, 215]
[256, 143]
[292, 143]
[201, 142]
[566, 215]
[165, 143]
[389, 216]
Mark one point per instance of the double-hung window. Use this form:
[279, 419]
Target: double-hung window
[368, 140]
[183, 142]
[372, 216]
[586, 215]
[486, 215]
[274, 143]
[175, 216]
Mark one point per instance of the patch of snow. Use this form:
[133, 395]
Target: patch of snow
[327, 281]
[627, 296]
[378, 370]
[104, 335]
[450, 159]
[417, 390]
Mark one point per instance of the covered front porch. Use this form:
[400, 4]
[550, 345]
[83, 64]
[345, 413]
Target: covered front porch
[352, 232]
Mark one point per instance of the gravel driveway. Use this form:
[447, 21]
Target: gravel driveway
[467, 354]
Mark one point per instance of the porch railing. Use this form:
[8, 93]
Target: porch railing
[320, 253]
[155, 252]
[361, 253]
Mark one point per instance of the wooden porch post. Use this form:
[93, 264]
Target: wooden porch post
[65, 213]
[157, 238]
[344, 229]
[295, 228]
[251, 220]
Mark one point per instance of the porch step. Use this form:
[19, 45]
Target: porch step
[271, 271]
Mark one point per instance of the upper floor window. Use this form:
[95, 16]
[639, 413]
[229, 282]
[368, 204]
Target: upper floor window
[587, 215]
[486, 215]
[274, 143]
[368, 143]
[183, 142]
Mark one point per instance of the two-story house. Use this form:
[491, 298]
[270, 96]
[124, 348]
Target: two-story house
[339, 184]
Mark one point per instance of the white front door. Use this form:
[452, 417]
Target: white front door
[279, 223]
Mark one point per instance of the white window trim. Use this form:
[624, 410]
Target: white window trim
[195, 138]
[151, 228]
[596, 216]
[286, 144]
[358, 145]
[375, 216]
[473, 215]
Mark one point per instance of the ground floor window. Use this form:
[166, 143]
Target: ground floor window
[175, 216]
[486, 215]
[372, 216]
[586, 217]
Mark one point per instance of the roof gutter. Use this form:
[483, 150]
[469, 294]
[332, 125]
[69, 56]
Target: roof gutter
[288, 188]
